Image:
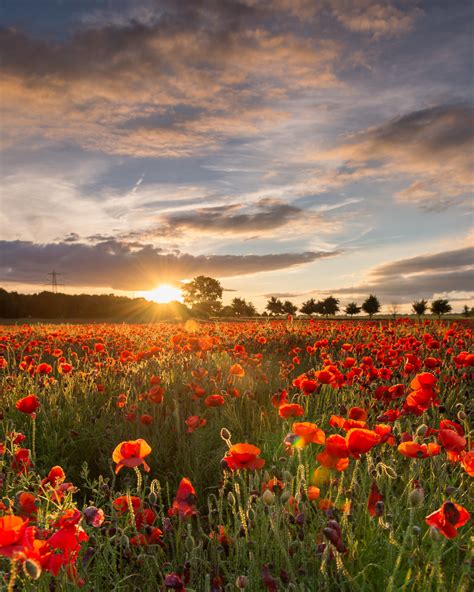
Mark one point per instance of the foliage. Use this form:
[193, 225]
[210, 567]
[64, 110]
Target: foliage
[352, 309]
[203, 294]
[440, 307]
[241, 308]
[275, 306]
[371, 305]
[420, 307]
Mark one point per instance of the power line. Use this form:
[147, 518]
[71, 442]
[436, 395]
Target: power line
[54, 281]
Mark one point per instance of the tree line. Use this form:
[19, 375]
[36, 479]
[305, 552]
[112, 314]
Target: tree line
[202, 299]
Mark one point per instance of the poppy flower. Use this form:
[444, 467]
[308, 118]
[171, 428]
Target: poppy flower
[244, 456]
[55, 477]
[237, 370]
[360, 440]
[414, 450]
[309, 432]
[374, 497]
[21, 460]
[313, 493]
[121, 503]
[290, 410]
[12, 529]
[194, 422]
[28, 404]
[467, 462]
[451, 440]
[44, 368]
[131, 454]
[184, 504]
[214, 401]
[448, 519]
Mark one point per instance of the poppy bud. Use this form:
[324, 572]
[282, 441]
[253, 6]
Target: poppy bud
[241, 582]
[32, 568]
[268, 497]
[125, 541]
[152, 498]
[379, 508]
[225, 434]
[231, 498]
[421, 430]
[461, 416]
[450, 490]
[416, 497]
[435, 535]
[285, 496]
[416, 530]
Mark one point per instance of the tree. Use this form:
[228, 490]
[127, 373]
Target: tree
[330, 306]
[393, 309]
[242, 308]
[420, 307]
[440, 307]
[371, 306]
[309, 307]
[289, 307]
[352, 309]
[466, 311]
[203, 294]
[275, 306]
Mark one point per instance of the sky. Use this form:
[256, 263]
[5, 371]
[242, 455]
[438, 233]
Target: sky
[296, 148]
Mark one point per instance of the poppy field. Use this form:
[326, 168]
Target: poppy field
[263, 455]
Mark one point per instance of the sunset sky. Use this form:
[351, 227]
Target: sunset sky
[295, 148]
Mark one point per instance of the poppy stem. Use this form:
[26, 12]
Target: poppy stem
[33, 438]
[13, 573]
[139, 478]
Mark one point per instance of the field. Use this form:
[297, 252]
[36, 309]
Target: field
[261, 456]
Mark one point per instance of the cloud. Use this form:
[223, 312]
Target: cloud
[121, 266]
[181, 81]
[376, 17]
[432, 145]
[267, 215]
[424, 276]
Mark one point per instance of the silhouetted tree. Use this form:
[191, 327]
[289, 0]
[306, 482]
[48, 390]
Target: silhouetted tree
[466, 311]
[420, 307]
[275, 306]
[371, 306]
[440, 307]
[289, 307]
[352, 309]
[242, 308]
[330, 306]
[309, 307]
[204, 295]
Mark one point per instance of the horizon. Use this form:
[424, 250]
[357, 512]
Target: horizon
[290, 149]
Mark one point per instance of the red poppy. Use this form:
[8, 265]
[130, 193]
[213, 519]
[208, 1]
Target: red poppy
[309, 432]
[194, 422]
[131, 454]
[290, 410]
[448, 519]
[374, 497]
[184, 504]
[414, 450]
[467, 462]
[451, 440]
[121, 503]
[244, 456]
[214, 401]
[28, 404]
[360, 440]
[237, 370]
[55, 477]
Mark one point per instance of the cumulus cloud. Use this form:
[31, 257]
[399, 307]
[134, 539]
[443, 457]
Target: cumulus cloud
[432, 145]
[122, 266]
[420, 277]
[381, 18]
[183, 80]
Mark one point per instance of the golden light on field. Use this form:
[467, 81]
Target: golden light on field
[163, 294]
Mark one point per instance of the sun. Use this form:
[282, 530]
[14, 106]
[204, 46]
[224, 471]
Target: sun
[163, 294]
